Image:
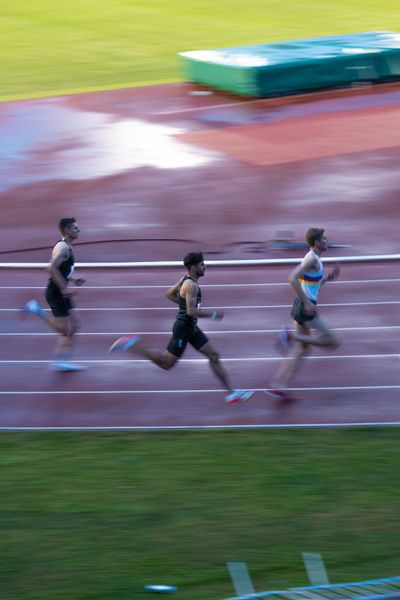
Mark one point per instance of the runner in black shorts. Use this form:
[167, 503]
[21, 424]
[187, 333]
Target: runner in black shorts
[298, 312]
[60, 305]
[59, 297]
[184, 333]
[306, 280]
[187, 295]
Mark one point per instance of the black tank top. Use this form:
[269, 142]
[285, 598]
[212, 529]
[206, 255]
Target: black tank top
[66, 268]
[182, 314]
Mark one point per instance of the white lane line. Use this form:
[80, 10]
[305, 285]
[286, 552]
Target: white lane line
[201, 427]
[116, 309]
[351, 388]
[227, 307]
[212, 332]
[205, 360]
[261, 101]
[347, 388]
[203, 285]
[265, 102]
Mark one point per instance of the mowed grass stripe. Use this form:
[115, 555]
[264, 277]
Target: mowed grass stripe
[52, 48]
[101, 515]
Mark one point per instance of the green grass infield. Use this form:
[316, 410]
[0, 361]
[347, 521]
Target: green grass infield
[101, 515]
[53, 48]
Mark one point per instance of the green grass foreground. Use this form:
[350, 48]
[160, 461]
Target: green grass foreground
[52, 47]
[100, 515]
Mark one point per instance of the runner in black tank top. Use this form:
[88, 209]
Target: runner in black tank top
[61, 305]
[187, 295]
[182, 313]
[59, 297]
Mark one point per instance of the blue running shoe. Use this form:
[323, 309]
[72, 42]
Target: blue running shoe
[32, 307]
[65, 367]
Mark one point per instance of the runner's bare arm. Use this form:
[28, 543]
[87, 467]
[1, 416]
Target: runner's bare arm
[172, 293]
[309, 263]
[189, 291]
[333, 274]
[59, 255]
[77, 281]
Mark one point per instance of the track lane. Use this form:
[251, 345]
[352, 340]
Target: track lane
[117, 392]
[233, 344]
[350, 388]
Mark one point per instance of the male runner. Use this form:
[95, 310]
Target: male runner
[187, 295]
[306, 280]
[63, 320]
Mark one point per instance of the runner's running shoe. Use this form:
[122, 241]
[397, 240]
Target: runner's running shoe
[123, 344]
[65, 367]
[32, 307]
[280, 395]
[238, 396]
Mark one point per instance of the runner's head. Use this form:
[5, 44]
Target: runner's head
[194, 263]
[316, 239]
[68, 227]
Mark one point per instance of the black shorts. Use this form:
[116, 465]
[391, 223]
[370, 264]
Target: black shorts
[184, 333]
[60, 306]
[298, 313]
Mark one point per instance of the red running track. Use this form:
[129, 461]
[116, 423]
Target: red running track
[155, 172]
[359, 383]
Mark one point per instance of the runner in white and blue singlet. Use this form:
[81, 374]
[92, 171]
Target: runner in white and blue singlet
[310, 283]
[306, 281]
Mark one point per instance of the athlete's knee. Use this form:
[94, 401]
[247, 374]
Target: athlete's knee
[74, 325]
[64, 329]
[72, 330]
[336, 342]
[303, 350]
[75, 328]
[68, 327]
[332, 341]
[213, 357]
[166, 366]
[167, 362]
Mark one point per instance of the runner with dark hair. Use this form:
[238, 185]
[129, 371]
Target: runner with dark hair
[63, 319]
[186, 294]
